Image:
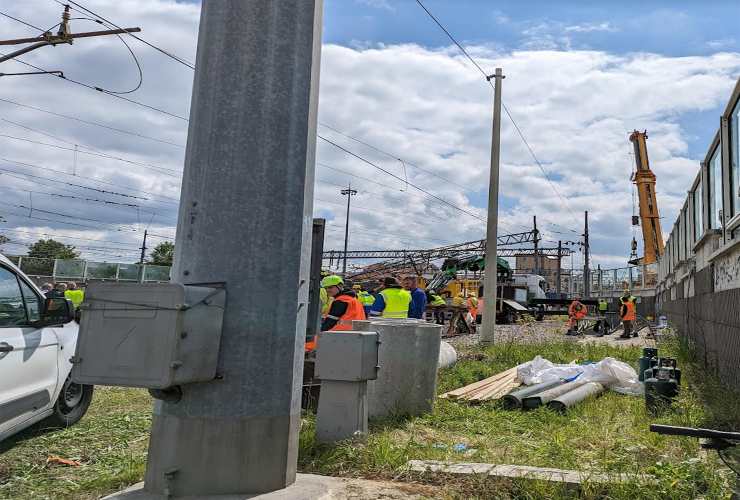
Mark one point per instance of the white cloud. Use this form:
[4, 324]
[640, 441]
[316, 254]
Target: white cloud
[429, 107]
[378, 4]
[591, 27]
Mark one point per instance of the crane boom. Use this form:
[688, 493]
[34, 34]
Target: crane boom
[644, 179]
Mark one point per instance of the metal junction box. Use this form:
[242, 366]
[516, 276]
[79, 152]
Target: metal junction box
[148, 335]
[347, 355]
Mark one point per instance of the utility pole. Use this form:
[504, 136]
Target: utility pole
[489, 282]
[558, 285]
[536, 246]
[143, 249]
[247, 192]
[349, 193]
[63, 35]
[586, 269]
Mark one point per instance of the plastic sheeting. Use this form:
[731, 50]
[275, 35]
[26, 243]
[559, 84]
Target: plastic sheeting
[447, 355]
[613, 374]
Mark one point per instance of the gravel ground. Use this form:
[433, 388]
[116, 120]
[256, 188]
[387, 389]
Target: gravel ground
[537, 331]
[543, 331]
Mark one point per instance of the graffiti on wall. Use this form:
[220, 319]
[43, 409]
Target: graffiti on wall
[727, 272]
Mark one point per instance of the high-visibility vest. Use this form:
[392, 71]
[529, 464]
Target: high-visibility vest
[365, 298]
[354, 311]
[631, 313]
[397, 301]
[437, 301]
[603, 305]
[76, 296]
[325, 302]
[473, 306]
[577, 309]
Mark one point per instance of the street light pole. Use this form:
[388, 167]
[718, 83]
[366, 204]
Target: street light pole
[349, 193]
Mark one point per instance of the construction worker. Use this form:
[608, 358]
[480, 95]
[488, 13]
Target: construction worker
[418, 298]
[437, 303]
[345, 307]
[59, 290]
[628, 313]
[365, 298]
[392, 301]
[472, 303]
[75, 294]
[479, 316]
[603, 306]
[576, 312]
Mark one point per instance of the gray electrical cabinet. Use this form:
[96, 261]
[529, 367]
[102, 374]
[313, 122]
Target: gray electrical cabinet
[153, 336]
[347, 355]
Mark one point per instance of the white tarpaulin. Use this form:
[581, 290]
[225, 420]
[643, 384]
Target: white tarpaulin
[615, 375]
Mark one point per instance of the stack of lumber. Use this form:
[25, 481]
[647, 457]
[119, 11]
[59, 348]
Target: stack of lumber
[488, 389]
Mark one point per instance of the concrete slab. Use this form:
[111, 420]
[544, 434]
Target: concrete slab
[307, 487]
[569, 477]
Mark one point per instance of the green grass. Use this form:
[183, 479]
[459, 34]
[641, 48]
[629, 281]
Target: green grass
[608, 434]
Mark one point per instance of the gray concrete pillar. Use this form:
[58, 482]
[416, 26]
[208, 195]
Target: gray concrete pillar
[245, 220]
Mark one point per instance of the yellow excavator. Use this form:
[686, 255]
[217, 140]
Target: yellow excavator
[649, 218]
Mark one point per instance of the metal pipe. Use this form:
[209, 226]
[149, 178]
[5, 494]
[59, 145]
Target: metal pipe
[544, 397]
[571, 398]
[513, 400]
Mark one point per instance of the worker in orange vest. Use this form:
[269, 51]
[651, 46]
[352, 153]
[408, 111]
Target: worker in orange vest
[343, 310]
[576, 311]
[628, 313]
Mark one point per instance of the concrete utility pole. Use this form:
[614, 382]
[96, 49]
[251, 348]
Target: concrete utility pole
[586, 269]
[349, 193]
[245, 220]
[489, 283]
[143, 249]
[536, 246]
[558, 285]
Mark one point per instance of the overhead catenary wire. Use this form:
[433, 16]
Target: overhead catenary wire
[431, 195]
[89, 122]
[22, 22]
[506, 109]
[177, 58]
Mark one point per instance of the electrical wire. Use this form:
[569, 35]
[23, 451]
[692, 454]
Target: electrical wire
[161, 170]
[379, 150]
[88, 122]
[431, 195]
[60, 236]
[111, 23]
[506, 109]
[22, 22]
[99, 89]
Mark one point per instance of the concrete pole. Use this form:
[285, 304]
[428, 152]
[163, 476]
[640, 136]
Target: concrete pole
[245, 220]
[586, 268]
[558, 285]
[536, 246]
[489, 283]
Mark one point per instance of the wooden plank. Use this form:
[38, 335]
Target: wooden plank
[498, 391]
[477, 385]
[569, 477]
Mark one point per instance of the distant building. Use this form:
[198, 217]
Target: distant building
[547, 267]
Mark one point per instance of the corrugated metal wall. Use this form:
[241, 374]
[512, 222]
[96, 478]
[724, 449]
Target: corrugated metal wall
[712, 321]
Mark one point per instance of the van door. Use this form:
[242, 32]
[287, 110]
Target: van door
[28, 355]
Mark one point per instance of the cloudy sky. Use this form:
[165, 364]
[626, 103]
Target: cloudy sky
[95, 170]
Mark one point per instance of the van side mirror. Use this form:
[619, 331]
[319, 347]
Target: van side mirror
[57, 311]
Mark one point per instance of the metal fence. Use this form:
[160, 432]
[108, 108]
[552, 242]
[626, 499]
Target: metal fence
[87, 270]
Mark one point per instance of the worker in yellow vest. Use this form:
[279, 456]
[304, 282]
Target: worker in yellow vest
[75, 294]
[392, 301]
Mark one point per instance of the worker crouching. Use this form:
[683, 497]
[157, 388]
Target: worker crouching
[576, 312]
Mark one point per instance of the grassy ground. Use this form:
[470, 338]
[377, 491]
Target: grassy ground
[606, 434]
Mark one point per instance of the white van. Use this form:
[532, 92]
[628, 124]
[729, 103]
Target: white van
[37, 339]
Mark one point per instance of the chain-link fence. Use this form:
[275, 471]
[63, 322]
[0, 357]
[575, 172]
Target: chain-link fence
[87, 270]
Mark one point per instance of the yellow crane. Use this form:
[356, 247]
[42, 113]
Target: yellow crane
[649, 218]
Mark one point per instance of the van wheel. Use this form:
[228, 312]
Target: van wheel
[71, 405]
